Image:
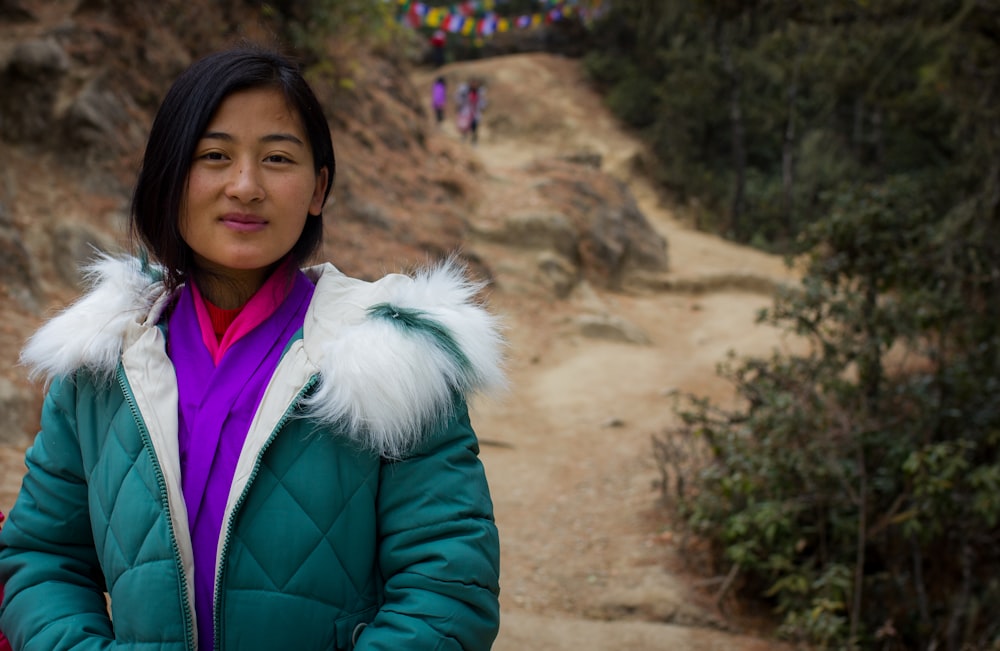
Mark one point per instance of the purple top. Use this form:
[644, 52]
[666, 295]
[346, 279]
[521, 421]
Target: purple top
[216, 406]
[439, 95]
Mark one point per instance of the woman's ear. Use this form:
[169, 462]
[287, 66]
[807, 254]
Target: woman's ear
[319, 192]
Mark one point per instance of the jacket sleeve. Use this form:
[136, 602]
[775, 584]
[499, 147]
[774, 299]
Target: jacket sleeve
[53, 593]
[439, 548]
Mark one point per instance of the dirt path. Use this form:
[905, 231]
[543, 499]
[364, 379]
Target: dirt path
[589, 559]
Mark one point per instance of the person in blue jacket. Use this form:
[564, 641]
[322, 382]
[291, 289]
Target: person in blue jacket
[240, 452]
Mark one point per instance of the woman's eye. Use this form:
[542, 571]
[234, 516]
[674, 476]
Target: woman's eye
[213, 155]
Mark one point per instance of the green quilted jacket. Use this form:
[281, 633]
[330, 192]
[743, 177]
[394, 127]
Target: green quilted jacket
[360, 516]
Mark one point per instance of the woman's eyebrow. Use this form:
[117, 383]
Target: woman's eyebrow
[282, 137]
[271, 137]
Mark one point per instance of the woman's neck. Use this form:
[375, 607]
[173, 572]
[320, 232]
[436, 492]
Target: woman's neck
[228, 292]
[230, 289]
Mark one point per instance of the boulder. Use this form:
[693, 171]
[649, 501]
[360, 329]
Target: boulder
[30, 85]
[548, 230]
[96, 117]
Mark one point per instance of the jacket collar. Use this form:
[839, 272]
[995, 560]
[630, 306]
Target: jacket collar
[391, 356]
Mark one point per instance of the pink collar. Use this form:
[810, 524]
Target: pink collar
[260, 306]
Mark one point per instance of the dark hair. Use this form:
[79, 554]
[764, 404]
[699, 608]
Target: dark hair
[180, 123]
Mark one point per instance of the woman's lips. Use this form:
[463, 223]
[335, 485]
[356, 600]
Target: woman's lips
[244, 223]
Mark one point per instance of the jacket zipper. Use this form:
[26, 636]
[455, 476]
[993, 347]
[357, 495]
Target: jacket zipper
[164, 500]
[220, 574]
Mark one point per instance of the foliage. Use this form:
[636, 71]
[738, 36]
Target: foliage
[732, 95]
[855, 486]
[332, 37]
[315, 27]
[858, 485]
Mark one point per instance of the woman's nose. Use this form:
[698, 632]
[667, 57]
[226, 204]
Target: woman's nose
[244, 184]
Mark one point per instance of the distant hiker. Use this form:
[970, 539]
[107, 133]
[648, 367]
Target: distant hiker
[438, 41]
[439, 98]
[471, 99]
[247, 453]
[462, 116]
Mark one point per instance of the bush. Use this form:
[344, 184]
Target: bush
[633, 100]
[856, 487]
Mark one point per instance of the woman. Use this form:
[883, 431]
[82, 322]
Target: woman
[241, 454]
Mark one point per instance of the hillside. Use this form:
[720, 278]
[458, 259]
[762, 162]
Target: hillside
[611, 304]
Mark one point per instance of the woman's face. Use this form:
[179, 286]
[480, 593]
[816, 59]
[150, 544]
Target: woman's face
[251, 187]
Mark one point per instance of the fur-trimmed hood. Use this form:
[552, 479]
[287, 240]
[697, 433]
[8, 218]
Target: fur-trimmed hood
[391, 356]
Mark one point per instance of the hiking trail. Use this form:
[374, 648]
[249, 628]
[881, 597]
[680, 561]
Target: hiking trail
[589, 559]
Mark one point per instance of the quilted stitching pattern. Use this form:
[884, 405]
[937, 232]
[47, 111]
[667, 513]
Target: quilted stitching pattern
[133, 531]
[311, 493]
[314, 497]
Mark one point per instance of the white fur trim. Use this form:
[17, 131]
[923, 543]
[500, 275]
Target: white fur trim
[386, 383]
[389, 384]
[90, 333]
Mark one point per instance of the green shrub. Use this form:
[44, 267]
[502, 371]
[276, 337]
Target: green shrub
[313, 26]
[605, 68]
[632, 99]
[857, 485]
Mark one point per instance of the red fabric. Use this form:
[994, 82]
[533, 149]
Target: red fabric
[260, 306]
[221, 319]
[4, 644]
